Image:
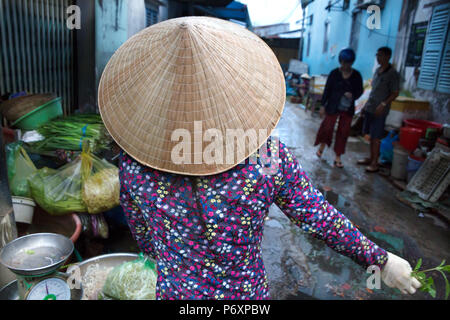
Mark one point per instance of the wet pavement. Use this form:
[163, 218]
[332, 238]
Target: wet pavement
[301, 267]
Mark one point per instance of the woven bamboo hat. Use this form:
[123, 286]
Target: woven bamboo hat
[178, 88]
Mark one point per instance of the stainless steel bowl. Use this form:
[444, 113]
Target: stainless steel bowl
[36, 254]
[10, 291]
[107, 260]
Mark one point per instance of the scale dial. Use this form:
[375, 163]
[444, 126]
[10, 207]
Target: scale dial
[50, 289]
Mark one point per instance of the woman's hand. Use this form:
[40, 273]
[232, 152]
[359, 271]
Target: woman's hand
[397, 274]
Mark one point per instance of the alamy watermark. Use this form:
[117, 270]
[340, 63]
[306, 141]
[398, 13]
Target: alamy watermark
[374, 20]
[374, 280]
[73, 17]
[227, 146]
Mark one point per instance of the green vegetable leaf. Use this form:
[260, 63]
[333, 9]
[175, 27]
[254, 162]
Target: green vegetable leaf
[419, 263]
[420, 276]
[427, 283]
[30, 252]
[431, 288]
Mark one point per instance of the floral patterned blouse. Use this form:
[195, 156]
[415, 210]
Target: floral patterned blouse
[206, 232]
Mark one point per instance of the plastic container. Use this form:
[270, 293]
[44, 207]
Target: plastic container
[407, 108]
[410, 137]
[422, 125]
[399, 163]
[414, 164]
[387, 147]
[40, 115]
[23, 209]
[15, 108]
[432, 134]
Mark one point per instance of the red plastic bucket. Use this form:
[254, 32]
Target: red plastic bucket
[409, 138]
[422, 125]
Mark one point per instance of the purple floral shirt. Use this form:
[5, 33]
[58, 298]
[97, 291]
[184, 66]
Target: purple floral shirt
[206, 232]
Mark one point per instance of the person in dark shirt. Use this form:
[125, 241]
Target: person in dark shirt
[344, 86]
[385, 89]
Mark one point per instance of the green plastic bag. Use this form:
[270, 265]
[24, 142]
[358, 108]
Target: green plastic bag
[133, 280]
[20, 168]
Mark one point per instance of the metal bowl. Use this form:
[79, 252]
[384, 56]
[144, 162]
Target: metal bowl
[10, 291]
[107, 260]
[36, 254]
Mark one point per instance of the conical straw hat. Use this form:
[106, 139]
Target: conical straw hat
[177, 88]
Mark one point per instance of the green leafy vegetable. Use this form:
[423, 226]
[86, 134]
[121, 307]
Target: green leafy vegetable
[428, 282]
[68, 133]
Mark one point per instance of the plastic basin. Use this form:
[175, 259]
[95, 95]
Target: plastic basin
[40, 115]
[68, 225]
[422, 125]
[410, 137]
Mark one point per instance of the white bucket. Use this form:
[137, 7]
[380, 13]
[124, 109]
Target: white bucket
[399, 163]
[23, 209]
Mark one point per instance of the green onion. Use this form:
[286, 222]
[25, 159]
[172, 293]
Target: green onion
[68, 133]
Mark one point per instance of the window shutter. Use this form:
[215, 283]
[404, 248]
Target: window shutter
[151, 13]
[434, 46]
[443, 84]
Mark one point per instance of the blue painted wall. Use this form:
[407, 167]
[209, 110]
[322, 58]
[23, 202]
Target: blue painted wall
[339, 36]
[111, 31]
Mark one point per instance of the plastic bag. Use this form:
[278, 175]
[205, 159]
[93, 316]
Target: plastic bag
[87, 184]
[134, 280]
[94, 226]
[101, 188]
[58, 191]
[387, 147]
[20, 168]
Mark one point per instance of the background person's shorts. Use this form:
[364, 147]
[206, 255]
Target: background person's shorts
[374, 126]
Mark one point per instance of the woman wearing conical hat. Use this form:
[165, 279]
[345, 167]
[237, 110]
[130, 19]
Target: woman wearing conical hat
[192, 102]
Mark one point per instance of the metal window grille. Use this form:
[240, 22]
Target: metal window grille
[151, 14]
[36, 48]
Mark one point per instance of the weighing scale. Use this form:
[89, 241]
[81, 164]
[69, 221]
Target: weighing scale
[35, 259]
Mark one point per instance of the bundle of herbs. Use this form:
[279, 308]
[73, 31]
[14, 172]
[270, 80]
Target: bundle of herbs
[428, 282]
[68, 133]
